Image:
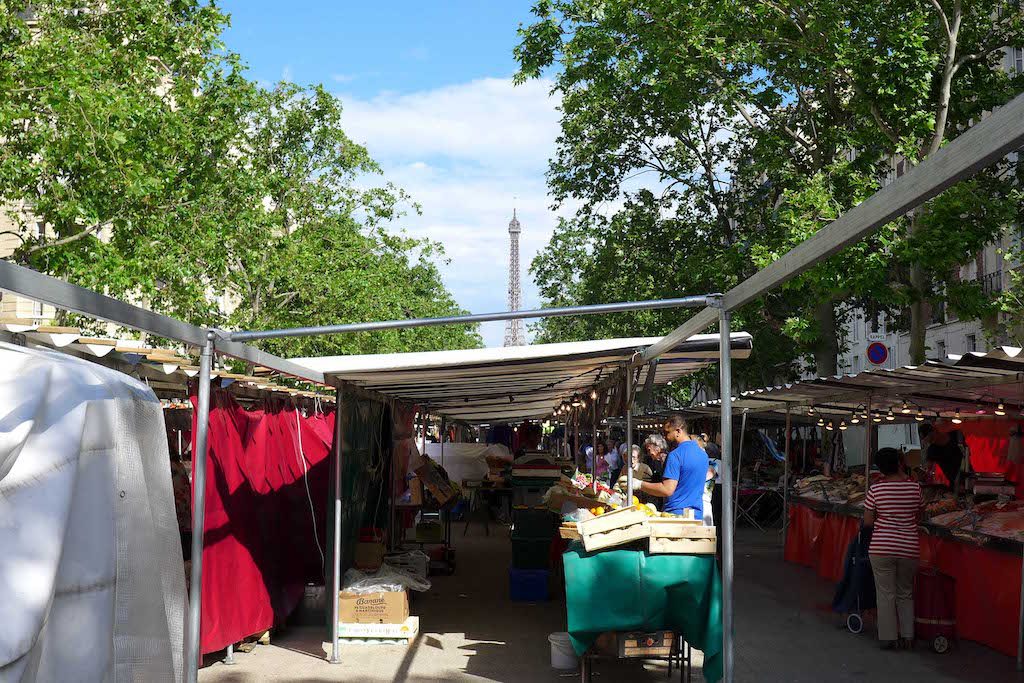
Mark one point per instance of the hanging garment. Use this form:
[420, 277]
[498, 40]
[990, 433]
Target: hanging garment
[91, 571]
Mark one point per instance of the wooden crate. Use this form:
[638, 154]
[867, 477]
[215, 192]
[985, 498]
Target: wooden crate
[645, 645]
[661, 545]
[570, 533]
[614, 528]
[677, 536]
[680, 528]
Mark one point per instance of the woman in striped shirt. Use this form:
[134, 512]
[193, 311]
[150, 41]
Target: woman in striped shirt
[893, 507]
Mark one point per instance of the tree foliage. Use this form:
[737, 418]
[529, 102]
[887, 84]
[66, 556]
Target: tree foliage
[164, 175]
[740, 129]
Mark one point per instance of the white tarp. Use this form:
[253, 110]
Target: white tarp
[466, 461]
[91, 576]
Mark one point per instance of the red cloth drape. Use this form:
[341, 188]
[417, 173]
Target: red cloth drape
[259, 547]
[987, 581]
[819, 540]
[989, 443]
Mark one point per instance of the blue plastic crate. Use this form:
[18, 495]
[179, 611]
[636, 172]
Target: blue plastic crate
[528, 585]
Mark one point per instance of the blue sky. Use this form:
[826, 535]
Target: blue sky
[427, 88]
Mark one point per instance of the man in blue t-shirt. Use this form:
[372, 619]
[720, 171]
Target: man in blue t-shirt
[686, 470]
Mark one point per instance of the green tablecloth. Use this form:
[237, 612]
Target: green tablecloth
[627, 590]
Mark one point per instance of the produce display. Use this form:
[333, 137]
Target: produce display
[849, 489]
[994, 518]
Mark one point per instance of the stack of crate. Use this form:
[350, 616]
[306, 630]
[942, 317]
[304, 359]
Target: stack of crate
[533, 529]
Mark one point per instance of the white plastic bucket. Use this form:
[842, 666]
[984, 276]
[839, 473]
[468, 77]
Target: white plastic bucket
[563, 656]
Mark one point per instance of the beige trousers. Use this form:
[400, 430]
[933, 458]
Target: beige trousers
[894, 589]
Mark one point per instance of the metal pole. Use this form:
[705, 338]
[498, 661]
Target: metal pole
[339, 431]
[785, 481]
[576, 438]
[229, 655]
[1020, 621]
[739, 465]
[592, 309]
[869, 427]
[192, 650]
[725, 384]
[593, 463]
[629, 436]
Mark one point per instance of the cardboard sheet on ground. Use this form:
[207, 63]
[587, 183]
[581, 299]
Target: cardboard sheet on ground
[626, 590]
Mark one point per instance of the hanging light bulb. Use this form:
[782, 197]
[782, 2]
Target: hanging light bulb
[1000, 409]
[956, 417]
[810, 409]
[906, 408]
[842, 426]
[979, 409]
[577, 402]
[855, 419]
[875, 417]
[920, 415]
[830, 426]
[593, 394]
[889, 415]
[821, 422]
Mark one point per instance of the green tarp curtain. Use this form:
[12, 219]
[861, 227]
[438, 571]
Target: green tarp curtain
[631, 590]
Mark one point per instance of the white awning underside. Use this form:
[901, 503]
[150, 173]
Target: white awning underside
[514, 383]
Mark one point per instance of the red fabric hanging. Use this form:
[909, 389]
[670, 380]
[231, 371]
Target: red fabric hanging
[989, 443]
[259, 548]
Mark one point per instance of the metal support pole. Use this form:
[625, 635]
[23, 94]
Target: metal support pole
[593, 464]
[629, 436]
[869, 427]
[1020, 621]
[192, 652]
[339, 432]
[725, 384]
[229, 656]
[576, 438]
[739, 465]
[785, 481]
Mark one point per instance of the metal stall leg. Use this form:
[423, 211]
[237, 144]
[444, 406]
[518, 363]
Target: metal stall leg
[739, 464]
[339, 431]
[229, 656]
[785, 481]
[725, 384]
[1020, 622]
[192, 655]
[628, 460]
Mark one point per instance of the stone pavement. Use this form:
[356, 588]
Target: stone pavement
[470, 631]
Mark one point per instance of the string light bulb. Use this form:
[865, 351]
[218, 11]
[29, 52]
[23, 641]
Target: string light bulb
[810, 409]
[906, 408]
[979, 409]
[821, 422]
[889, 415]
[1000, 409]
[875, 417]
[855, 419]
[956, 417]
[920, 415]
[830, 426]
[593, 394]
[842, 426]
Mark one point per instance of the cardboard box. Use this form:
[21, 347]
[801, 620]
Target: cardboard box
[373, 608]
[443, 491]
[369, 555]
[407, 629]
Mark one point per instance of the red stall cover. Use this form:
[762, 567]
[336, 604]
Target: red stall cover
[259, 545]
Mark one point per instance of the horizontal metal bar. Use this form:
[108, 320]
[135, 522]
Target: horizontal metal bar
[65, 296]
[985, 143]
[593, 309]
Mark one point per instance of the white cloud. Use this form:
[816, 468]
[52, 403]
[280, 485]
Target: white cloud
[467, 154]
[343, 78]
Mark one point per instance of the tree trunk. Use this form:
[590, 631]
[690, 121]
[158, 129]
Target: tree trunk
[827, 348]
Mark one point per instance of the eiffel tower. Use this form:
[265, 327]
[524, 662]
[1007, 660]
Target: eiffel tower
[514, 335]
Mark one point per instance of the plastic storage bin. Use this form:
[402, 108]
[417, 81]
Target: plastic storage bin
[531, 553]
[528, 585]
[528, 496]
[533, 523]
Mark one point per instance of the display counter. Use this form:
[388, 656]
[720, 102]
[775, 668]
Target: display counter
[632, 590]
[987, 569]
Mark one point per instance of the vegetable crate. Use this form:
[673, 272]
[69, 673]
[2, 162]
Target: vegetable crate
[680, 536]
[614, 528]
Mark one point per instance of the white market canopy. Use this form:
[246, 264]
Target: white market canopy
[516, 382]
[974, 383]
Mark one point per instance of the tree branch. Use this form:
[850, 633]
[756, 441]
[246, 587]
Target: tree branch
[65, 240]
[942, 15]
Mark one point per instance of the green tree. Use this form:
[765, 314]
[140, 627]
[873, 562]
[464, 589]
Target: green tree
[164, 175]
[759, 123]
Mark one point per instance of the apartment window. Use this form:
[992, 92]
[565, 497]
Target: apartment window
[940, 348]
[858, 326]
[1017, 59]
[857, 367]
[970, 342]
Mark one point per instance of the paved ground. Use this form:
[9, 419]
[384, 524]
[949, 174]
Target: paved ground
[472, 632]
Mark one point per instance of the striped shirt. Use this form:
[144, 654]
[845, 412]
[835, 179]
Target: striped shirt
[896, 505]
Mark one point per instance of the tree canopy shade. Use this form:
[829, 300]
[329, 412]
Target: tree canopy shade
[724, 133]
[158, 172]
